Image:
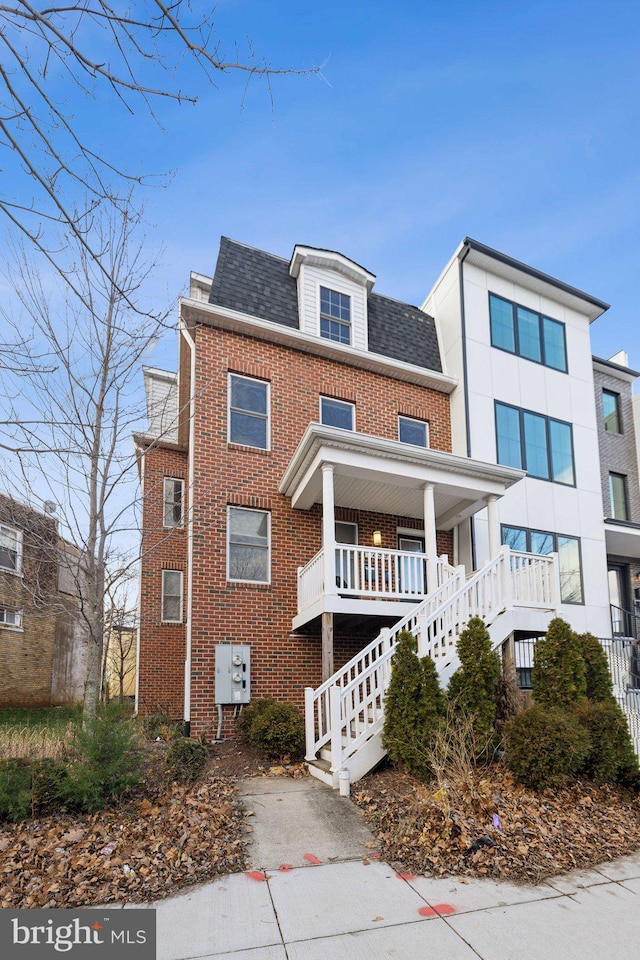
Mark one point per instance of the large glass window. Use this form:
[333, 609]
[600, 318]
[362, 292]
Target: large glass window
[10, 548]
[611, 411]
[618, 496]
[248, 411]
[413, 431]
[172, 515]
[335, 315]
[535, 443]
[337, 413]
[544, 542]
[172, 596]
[527, 333]
[248, 545]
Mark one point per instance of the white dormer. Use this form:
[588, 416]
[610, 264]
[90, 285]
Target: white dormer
[332, 295]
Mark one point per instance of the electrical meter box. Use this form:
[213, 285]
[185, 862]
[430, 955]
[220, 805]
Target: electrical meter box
[233, 673]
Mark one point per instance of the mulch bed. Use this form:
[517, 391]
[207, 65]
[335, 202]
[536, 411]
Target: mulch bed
[493, 827]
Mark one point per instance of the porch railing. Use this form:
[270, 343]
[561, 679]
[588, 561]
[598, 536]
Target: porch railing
[371, 573]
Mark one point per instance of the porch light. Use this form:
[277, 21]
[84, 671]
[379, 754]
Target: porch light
[377, 538]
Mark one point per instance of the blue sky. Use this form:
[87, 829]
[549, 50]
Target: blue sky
[513, 123]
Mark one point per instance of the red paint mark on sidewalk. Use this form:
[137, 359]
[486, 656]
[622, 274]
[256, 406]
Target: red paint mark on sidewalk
[313, 859]
[256, 875]
[438, 910]
[405, 876]
[375, 856]
[285, 866]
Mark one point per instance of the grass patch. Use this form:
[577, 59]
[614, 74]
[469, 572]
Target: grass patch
[49, 717]
[37, 734]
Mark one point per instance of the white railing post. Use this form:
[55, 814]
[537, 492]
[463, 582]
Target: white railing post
[507, 577]
[336, 728]
[309, 724]
[300, 590]
[556, 596]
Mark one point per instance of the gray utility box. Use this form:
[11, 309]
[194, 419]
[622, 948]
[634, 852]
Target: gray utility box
[233, 673]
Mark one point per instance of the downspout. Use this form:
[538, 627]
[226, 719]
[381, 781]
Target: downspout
[139, 603]
[190, 477]
[465, 382]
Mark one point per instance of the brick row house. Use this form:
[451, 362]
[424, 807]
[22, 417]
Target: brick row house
[330, 465]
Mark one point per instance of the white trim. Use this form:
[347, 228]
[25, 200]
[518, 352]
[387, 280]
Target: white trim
[424, 423]
[172, 526]
[319, 285]
[259, 416]
[162, 595]
[225, 319]
[230, 579]
[17, 570]
[349, 523]
[191, 344]
[345, 403]
[18, 611]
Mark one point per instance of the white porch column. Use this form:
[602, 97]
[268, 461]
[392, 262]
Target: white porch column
[430, 537]
[493, 523]
[328, 529]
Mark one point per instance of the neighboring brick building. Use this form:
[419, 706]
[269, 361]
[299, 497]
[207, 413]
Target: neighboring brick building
[42, 640]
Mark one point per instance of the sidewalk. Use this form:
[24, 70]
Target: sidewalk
[352, 907]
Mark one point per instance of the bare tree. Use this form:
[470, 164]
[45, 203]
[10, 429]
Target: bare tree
[68, 425]
[60, 61]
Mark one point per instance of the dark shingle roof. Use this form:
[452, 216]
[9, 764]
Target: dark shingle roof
[258, 284]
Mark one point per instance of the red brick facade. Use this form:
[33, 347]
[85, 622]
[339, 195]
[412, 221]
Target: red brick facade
[225, 474]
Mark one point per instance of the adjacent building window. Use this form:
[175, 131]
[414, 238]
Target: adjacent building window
[611, 411]
[337, 413]
[172, 596]
[335, 316]
[10, 548]
[10, 617]
[248, 545]
[413, 431]
[527, 334]
[618, 496]
[530, 441]
[172, 513]
[545, 542]
[248, 411]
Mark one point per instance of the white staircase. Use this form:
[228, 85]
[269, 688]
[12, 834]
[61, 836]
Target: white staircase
[344, 716]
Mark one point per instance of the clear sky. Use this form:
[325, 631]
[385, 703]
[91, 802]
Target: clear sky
[513, 123]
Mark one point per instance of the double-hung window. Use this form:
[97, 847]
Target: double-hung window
[172, 596]
[335, 315]
[10, 548]
[413, 431]
[618, 496]
[527, 333]
[173, 502]
[533, 442]
[544, 542]
[248, 535]
[10, 617]
[337, 413]
[611, 411]
[248, 411]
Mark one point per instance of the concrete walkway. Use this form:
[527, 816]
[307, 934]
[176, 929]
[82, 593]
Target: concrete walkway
[349, 906]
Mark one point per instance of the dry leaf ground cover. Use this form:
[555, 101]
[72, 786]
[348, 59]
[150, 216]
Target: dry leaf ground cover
[493, 827]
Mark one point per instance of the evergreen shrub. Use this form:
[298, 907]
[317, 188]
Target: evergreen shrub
[545, 746]
[611, 757]
[472, 688]
[558, 678]
[278, 732]
[186, 759]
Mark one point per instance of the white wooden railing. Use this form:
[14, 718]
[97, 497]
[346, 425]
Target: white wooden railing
[348, 708]
[371, 573]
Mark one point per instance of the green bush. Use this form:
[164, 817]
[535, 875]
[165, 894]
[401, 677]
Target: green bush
[599, 685]
[278, 731]
[611, 757]
[472, 688]
[161, 726]
[558, 678]
[414, 705]
[186, 759]
[48, 783]
[251, 713]
[15, 790]
[108, 763]
[544, 747]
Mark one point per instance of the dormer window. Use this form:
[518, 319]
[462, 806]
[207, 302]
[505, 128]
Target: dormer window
[335, 316]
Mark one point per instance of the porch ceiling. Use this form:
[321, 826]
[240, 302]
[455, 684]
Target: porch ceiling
[386, 476]
[622, 538]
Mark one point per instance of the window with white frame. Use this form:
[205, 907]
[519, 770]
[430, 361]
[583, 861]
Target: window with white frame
[248, 551]
[10, 617]
[248, 411]
[10, 548]
[173, 500]
[413, 431]
[335, 315]
[172, 596]
[337, 413]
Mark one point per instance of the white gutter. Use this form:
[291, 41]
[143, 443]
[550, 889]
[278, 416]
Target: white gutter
[139, 607]
[191, 472]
